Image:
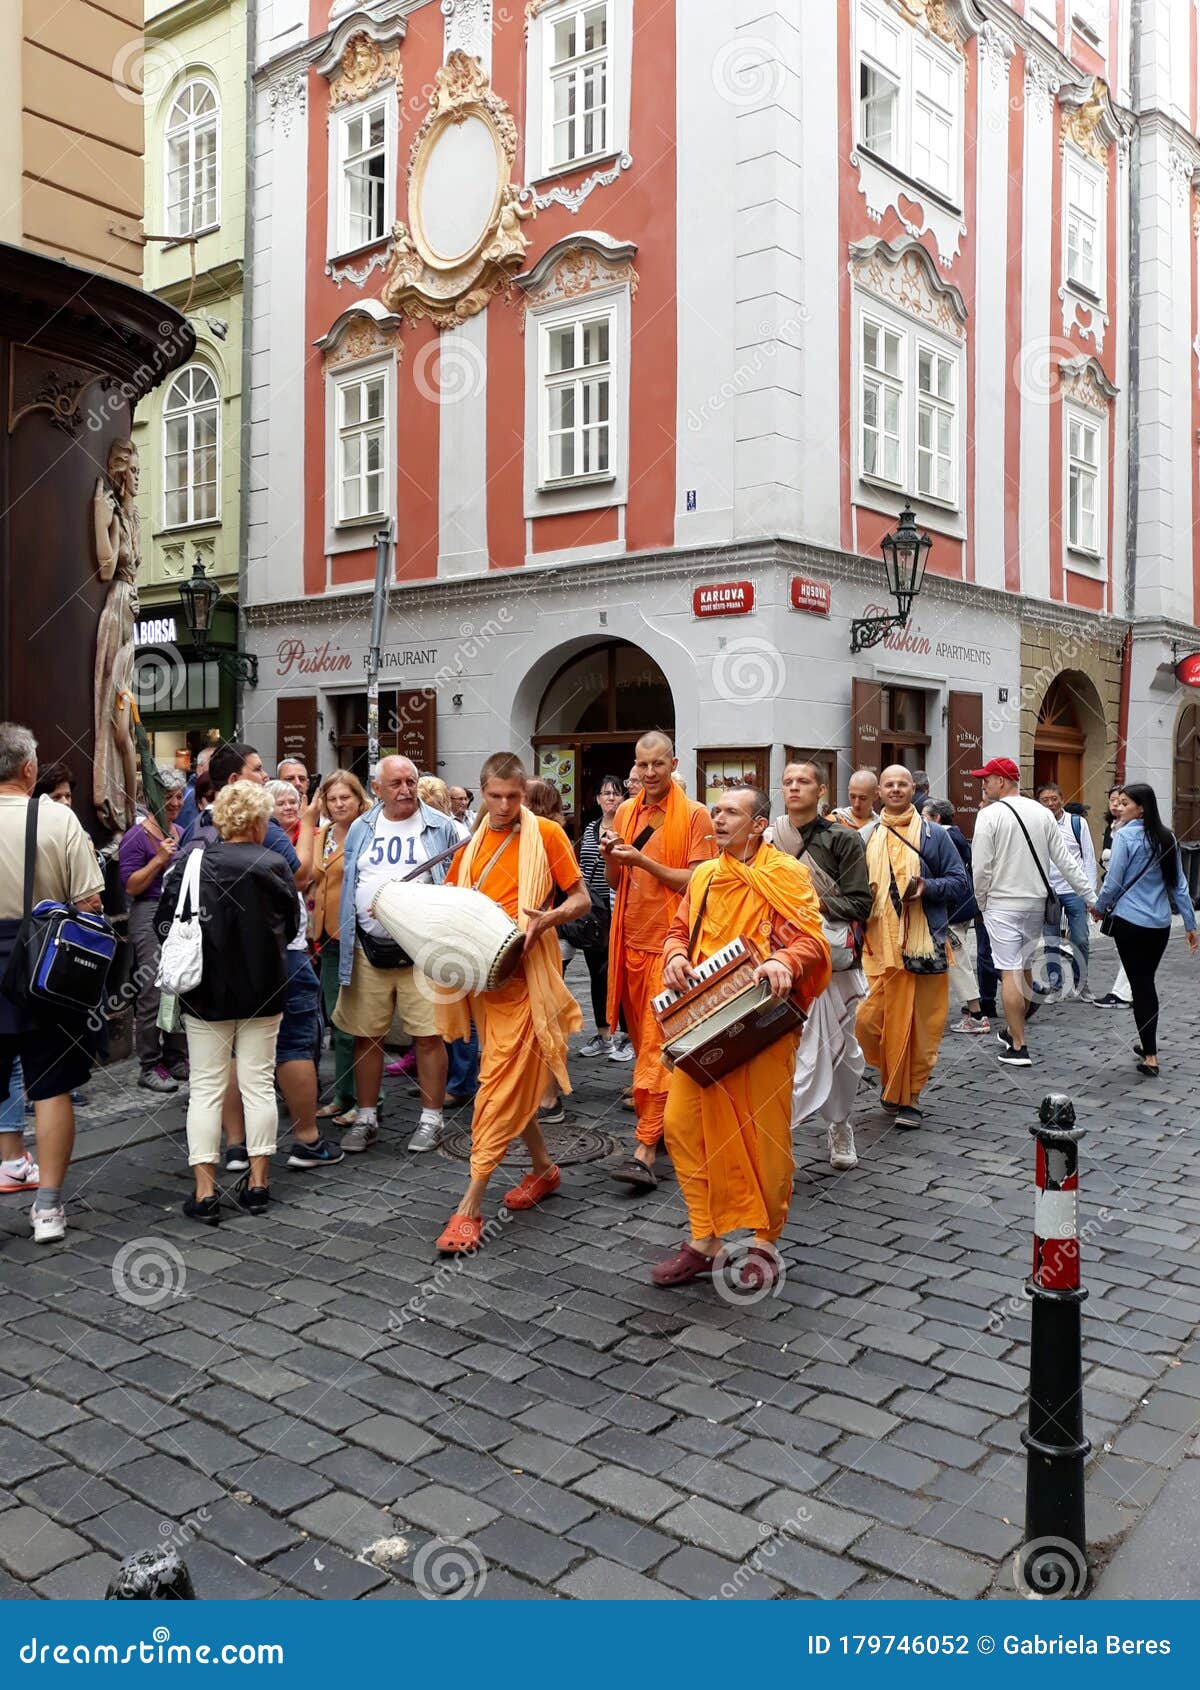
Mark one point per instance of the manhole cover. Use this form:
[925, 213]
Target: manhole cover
[569, 1144]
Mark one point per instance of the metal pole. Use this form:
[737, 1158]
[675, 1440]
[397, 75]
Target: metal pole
[1053, 1561]
[383, 555]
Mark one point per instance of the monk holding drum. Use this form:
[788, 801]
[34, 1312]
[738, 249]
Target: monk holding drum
[517, 859]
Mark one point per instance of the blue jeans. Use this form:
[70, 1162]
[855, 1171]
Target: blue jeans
[1076, 913]
[462, 1078]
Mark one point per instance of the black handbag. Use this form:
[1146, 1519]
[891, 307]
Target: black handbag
[61, 955]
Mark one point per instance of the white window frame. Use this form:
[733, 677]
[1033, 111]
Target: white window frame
[871, 487]
[911, 43]
[540, 102]
[578, 377]
[544, 496]
[347, 533]
[191, 412]
[1084, 558]
[190, 130]
[1087, 170]
[339, 242]
[581, 63]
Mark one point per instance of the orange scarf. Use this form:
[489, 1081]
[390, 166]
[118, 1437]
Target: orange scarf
[740, 890]
[628, 823]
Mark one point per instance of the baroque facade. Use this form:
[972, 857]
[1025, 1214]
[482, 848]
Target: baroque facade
[641, 324]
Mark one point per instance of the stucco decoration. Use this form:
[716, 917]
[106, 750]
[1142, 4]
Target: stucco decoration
[1041, 85]
[1084, 381]
[952, 21]
[905, 275]
[1180, 168]
[576, 266]
[364, 66]
[468, 25]
[532, 8]
[39, 383]
[1089, 121]
[996, 50]
[287, 98]
[362, 331]
[464, 237]
[573, 198]
[1086, 319]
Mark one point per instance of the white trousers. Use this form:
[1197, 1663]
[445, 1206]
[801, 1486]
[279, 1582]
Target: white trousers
[829, 1061]
[212, 1046]
[963, 979]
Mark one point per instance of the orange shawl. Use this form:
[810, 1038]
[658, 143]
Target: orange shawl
[675, 836]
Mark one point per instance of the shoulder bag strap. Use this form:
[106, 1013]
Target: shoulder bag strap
[1037, 861]
[189, 889]
[907, 842]
[1149, 863]
[513, 832]
[31, 831]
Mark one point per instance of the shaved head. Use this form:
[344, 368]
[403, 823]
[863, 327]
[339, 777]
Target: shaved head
[656, 763]
[896, 786]
[656, 740]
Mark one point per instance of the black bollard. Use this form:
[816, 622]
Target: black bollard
[156, 1575]
[1053, 1560]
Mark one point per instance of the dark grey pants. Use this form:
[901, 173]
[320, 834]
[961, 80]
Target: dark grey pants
[151, 1045]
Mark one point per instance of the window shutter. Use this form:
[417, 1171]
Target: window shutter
[964, 752]
[866, 723]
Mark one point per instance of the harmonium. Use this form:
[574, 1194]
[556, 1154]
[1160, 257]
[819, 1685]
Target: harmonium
[725, 1017]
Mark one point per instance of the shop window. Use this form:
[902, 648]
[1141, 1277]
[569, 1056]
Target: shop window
[888, 726]
[362, 189]
[192, 160]
[161, 683]
[1084, 224]
[909, 100]
[191, 448]
[719, 772]
[1084, 479]
[579, 73]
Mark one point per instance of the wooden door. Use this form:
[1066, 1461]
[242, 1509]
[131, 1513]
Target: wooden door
[1187, 775]
[964, 752]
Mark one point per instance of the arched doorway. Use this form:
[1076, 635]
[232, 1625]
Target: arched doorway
[1187, 775]
[1060, 742]
[589, 719]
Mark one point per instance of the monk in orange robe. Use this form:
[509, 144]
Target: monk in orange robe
[731, 1142]
[516, 859]
[657, 839]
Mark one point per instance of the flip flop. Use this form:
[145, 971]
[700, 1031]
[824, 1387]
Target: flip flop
[532, 1189]
[634, 1173]
[461, 1235]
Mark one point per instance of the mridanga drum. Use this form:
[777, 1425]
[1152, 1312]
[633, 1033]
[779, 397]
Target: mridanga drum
[458, 938]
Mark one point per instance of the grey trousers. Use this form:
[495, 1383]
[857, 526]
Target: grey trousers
[151, 1045]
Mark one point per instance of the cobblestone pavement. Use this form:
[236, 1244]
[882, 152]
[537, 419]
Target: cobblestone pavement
[312, 1406]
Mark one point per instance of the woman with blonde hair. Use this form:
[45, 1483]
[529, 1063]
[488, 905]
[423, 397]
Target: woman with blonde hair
[342, 799]
[249, 913]
[432, 790]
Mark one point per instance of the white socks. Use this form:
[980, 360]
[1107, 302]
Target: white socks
[432, 1118]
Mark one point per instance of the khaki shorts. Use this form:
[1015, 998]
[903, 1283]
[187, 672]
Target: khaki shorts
[365, 1007]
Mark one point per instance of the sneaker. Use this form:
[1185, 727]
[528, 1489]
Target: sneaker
[553, 1116]
[253, 1199]
[597, 1045]
[1110, 1000]
[969, 1024]
[206, 1209]
[322, 1153]
[179, 1071]
[1005, 1037]
[157, 1079]
[361, 1136]
[19, 1175]
[908, 1117]
[1012, 1057]
[621, 1052]
[236, 1159]
[840, 1138]
[49, 1225]
[427, 1136]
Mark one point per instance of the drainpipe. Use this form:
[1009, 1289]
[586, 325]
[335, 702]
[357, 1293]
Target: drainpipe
[250, 178]
[1133, 376]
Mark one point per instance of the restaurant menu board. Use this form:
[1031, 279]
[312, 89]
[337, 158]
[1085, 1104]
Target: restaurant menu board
[557, 763]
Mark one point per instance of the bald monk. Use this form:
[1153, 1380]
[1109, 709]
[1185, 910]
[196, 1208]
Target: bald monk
[656, 840]
[516, 859]
[731, 1142]
[917, 878]
[862, 793]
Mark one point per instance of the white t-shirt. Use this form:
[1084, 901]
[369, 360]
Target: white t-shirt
[395, 850]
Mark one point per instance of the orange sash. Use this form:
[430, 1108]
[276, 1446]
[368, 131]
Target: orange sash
[675, 839]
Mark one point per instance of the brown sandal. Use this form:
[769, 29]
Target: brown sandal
[634, 1173]
[684, 1266]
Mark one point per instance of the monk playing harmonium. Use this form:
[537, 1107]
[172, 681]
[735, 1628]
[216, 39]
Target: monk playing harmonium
[731, 1140]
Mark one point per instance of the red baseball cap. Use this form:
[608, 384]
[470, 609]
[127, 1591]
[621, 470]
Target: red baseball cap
[1002, 766]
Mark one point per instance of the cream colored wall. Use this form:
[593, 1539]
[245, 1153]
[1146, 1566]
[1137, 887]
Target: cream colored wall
[78, 153]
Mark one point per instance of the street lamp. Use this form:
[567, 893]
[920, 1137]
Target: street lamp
[200, 596]
[905, 554]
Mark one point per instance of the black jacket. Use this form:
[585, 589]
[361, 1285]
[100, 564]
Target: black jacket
[839, 851]
[968, 909]
[249, 910]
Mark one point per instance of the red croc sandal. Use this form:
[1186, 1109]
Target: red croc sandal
[462, 1234]
[532, 1189]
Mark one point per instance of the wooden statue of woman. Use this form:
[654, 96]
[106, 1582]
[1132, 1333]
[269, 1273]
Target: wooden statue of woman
[118, 554]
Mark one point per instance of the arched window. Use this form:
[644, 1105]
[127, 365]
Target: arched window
[193, 142]
[191, 447]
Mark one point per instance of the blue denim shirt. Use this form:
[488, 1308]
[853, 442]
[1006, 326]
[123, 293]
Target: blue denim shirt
[1148, 902]
[437, 833]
